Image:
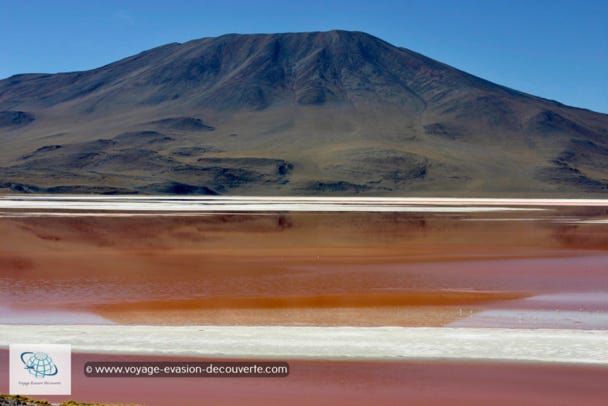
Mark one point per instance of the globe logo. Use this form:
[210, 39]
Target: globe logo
[39, 364]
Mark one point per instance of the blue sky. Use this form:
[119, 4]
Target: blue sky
[551, 48]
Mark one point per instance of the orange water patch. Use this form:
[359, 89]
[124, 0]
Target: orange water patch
[403, 309]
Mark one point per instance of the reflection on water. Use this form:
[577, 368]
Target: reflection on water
[535, 319]
[403, 268]
[39, 315]
[581, 310]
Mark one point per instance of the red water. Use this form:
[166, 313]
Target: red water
[333, 268]
[499, 269]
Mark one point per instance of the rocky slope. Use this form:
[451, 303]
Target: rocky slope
[292, 114]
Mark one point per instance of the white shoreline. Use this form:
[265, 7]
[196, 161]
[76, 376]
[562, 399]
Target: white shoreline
[343, 200]
[189, 204]
[326, 343]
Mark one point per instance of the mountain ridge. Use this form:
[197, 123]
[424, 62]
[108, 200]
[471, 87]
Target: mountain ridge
[335, 112]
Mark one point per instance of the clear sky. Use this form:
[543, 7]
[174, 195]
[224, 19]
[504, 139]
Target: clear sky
[551, 48]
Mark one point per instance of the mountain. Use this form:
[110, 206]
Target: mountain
[292, 114]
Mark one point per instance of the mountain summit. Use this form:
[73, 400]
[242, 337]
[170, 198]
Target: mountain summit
[299, 113]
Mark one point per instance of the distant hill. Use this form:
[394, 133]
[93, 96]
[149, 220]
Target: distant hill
[315, 113]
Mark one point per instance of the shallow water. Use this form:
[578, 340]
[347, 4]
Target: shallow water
[332, 263]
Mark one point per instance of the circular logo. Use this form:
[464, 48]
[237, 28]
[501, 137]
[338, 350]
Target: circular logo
[39, 364]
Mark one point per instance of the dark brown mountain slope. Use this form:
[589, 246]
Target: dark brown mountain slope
[312, 113]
